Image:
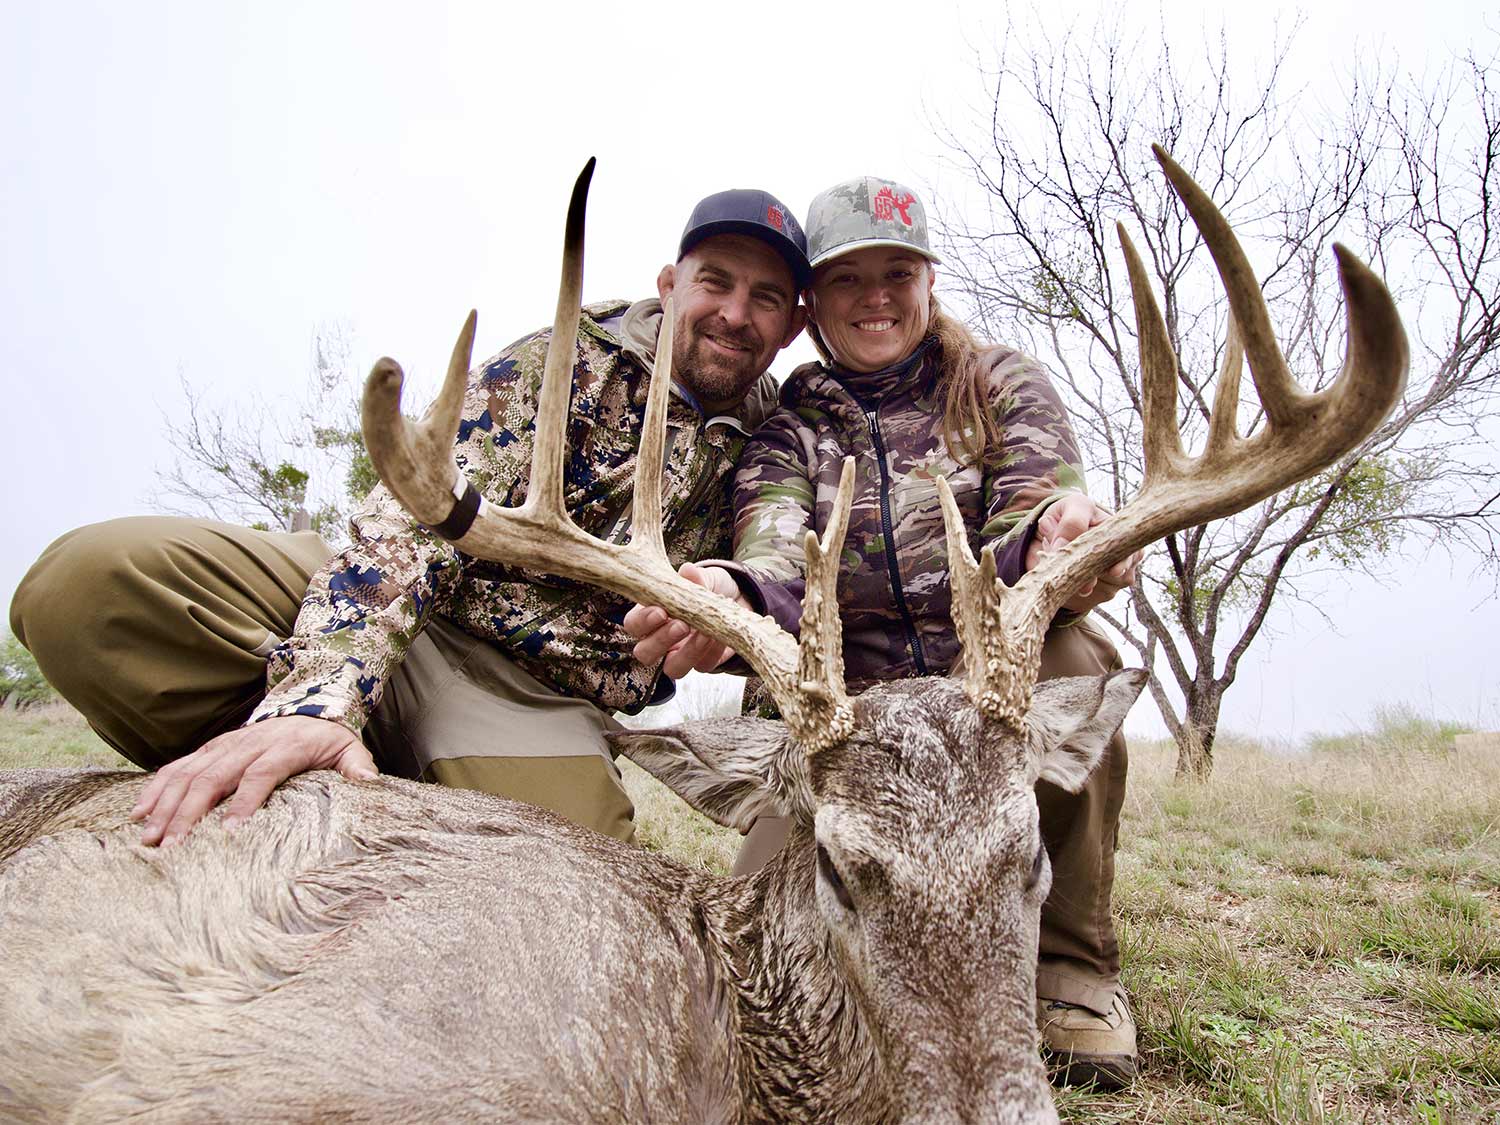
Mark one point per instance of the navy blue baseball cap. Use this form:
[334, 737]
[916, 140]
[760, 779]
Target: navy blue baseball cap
[758, 214]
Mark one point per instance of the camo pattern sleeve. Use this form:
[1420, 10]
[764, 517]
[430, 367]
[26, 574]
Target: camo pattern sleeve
[1038, 460]
[365, 607]
[773, 509]
[359, 616]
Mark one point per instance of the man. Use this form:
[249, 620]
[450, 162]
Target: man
[167, 634]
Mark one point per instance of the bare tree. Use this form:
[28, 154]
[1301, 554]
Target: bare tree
[283, 466]
[1404, 171]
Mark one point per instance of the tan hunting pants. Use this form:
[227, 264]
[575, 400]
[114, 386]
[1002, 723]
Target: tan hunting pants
[1079, 958]
[157, 629]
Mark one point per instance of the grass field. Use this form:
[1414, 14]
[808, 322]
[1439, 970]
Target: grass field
[1310, 937]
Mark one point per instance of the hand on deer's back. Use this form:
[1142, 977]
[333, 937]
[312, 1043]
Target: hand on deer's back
[249, 762]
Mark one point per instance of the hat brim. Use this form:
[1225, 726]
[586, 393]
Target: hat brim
[849, 247]
[789, 250]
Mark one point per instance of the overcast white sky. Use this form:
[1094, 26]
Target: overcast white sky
[195, 187]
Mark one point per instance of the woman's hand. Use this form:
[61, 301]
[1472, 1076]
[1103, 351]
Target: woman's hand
[1064, 522]
[684, 649]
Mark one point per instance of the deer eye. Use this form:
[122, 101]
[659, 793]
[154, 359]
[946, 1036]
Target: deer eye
[1036, 867]
[831, 876]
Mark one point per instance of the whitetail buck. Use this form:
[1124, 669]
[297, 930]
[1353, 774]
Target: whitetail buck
[385, 951]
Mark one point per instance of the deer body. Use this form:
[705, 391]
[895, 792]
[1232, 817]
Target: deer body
[392, 951]
[377, 952]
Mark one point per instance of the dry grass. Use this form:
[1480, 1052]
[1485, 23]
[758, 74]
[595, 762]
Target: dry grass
[1313, 937]
[666, 823]
[52, 734]
[1306, 938]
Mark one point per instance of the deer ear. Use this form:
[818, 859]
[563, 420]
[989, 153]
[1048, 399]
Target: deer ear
[1073, 718]
[730, 770]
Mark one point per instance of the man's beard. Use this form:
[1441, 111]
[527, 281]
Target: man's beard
[708, 374]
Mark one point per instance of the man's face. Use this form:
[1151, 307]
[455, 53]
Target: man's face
[736, 307]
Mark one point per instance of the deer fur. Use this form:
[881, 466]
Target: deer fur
[386, 951]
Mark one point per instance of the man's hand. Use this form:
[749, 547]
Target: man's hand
[1064, 522]
[683, 648]
[248, 762]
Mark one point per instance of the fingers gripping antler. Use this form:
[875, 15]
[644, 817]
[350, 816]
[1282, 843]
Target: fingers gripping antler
[416, 462]
[1303, 433]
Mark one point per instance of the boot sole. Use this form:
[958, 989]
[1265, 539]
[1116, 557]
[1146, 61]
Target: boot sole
[1103, 1072]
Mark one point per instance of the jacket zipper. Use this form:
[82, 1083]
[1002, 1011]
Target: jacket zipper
[872, 417]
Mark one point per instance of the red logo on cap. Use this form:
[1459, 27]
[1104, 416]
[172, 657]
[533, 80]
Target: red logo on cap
[775, 218]
[887, 203]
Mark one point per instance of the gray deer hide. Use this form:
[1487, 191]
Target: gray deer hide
[387, 951]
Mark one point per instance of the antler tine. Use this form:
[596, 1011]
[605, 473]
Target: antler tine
[646, 524]
[1222, 429]
[997, 667]
[417, 465]
[1279, 392]
[1376, 357]
[1160, 439]
[415, 459]
[545, 491]
[820, 665]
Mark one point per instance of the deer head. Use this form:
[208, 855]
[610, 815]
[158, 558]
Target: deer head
[917, 841]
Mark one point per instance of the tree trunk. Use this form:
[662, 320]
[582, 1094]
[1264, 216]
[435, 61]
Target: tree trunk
[1195, 737]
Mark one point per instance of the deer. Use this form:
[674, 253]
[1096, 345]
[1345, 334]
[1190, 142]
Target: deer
[388, 951]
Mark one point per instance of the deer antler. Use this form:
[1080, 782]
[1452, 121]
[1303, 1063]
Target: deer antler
[415, 460]
[1303, 433]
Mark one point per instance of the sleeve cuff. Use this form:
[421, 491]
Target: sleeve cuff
[779, 600]
[1010, 558]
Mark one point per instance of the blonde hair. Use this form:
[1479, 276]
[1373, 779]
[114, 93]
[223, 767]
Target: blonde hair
[970, 429]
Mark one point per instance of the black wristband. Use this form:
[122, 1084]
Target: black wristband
[461, 518]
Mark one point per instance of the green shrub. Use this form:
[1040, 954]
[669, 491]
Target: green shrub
[21, 681]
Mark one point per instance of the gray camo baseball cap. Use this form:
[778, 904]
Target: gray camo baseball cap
[865, 211]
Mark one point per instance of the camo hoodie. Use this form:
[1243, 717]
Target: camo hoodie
[893, 581]
[368, 603]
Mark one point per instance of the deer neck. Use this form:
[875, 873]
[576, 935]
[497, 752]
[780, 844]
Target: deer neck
[806, 1050]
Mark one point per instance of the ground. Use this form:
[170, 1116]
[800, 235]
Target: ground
[1306, 937]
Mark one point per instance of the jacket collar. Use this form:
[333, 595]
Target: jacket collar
[872, 386]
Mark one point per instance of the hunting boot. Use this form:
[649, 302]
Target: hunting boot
[1083, 1046]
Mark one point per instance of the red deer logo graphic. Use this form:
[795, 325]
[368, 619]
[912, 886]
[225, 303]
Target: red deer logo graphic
[887, 203]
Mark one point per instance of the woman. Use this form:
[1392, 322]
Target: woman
[908, 392]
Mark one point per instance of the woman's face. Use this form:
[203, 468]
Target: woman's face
[872, 305]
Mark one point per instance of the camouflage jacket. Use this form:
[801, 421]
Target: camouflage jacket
[363, 609]
[893, 581]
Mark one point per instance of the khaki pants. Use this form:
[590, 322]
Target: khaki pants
[157, 629]
[1079, 957]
